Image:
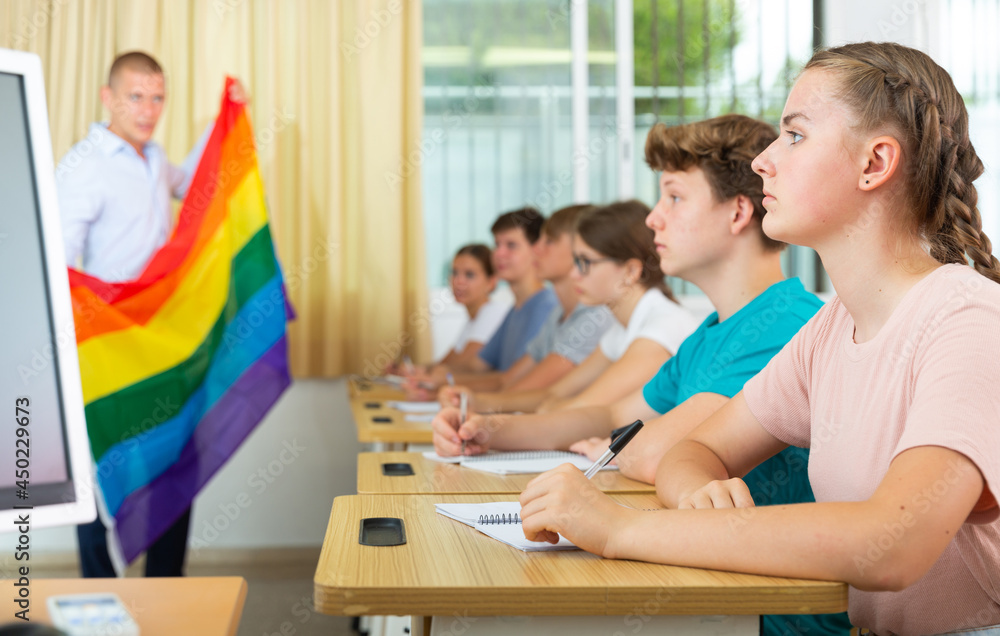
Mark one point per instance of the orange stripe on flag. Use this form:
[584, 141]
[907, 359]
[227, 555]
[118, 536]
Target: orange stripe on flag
[236, 164]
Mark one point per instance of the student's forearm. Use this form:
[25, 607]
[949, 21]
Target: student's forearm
[641, 458]
[826, 541]
[575, 402]
[489, 381]
[555, 404]
[552, 431]
[472, 364]
[467, 359]
[686, 468]
[510, 401]
[451, 360]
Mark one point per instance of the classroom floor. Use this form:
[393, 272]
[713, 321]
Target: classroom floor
[279, 600]
[279, 596]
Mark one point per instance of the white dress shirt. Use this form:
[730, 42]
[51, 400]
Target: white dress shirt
[116, 205]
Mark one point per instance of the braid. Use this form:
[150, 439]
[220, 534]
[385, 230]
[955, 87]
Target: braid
[918, 98]
[953, 224]
[965, 225]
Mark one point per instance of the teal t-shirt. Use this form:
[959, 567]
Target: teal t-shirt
[720, 358]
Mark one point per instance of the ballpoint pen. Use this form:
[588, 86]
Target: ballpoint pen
[463, 409]
[616, 447]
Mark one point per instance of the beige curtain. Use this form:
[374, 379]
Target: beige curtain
[335, 90]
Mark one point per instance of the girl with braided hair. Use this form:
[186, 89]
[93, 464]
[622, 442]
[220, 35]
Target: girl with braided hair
[892, 385]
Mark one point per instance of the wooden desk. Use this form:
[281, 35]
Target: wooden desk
[431, 477]
[396, 431]
[206, 606]
[449, 569]
[358, 387]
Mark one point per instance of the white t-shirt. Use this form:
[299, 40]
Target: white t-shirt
[483, 326]
[655, 317]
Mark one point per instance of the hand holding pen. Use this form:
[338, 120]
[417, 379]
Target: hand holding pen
[452, 396]
[619, 438]
[451, 432]
[566, 502]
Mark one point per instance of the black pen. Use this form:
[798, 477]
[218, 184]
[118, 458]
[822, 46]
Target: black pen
[616, 447]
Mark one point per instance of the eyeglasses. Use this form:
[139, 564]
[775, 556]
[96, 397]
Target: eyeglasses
[583, 263]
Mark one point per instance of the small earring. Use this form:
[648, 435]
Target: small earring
[866, 180]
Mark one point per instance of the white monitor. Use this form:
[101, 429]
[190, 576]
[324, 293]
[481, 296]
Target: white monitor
[39, 371]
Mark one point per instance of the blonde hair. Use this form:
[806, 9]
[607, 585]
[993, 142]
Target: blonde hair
[890, 85]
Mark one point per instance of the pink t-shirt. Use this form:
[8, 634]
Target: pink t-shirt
[930, 377]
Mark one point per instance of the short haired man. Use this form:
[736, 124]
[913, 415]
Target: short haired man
[115, 189]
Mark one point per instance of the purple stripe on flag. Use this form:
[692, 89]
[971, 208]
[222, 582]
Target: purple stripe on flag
[147, 513]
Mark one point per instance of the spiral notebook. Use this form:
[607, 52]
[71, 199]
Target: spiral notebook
[500, 520]
[517, 462]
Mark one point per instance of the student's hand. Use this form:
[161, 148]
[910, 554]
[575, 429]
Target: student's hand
[417, 393]
[418, 387]
[593, 447]
[730, 493]
[564, 502]
[437, 375]
[393, 368]
[448, 435]
[419, 372]
[551, 404]
[238, 93]
[422, 382]
[452, 396]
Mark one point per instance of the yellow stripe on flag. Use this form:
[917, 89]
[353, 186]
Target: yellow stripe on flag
[121, 358]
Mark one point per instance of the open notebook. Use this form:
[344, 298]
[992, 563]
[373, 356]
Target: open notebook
[518, 461]
[500, 520]
[426, 408]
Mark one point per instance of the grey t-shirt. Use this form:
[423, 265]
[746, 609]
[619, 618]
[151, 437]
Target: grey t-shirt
[573, 338]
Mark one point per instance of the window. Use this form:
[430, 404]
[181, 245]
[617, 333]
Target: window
[499, 100]
[970, 52]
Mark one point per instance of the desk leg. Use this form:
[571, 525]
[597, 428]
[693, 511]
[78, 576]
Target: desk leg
[420, 625]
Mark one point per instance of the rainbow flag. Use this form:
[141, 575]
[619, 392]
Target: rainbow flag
[179, 365]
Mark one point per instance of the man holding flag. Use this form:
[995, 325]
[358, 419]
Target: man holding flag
[115, 190]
